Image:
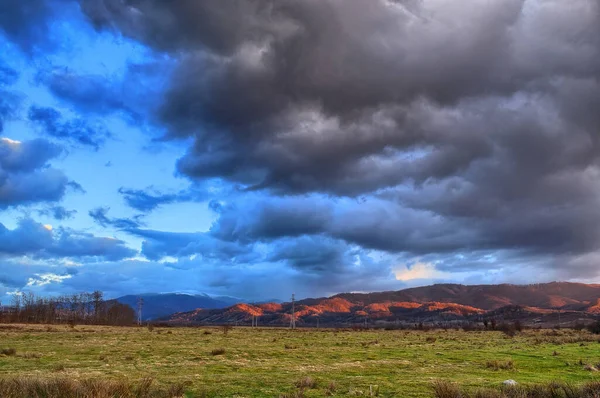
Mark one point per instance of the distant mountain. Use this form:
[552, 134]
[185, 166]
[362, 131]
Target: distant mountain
[539, 303]
[488, 297]
[161, 305]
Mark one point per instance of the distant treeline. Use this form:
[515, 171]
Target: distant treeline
[83, 308]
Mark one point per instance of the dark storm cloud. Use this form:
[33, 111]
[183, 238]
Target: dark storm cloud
[99, 215]
[36, 240]
[25, 174]
[458, 130]
[302, 96]
[53, 124]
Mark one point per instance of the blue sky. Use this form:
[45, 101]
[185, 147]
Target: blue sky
[256, 149]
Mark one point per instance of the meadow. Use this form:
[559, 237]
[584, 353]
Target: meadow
[261, 362]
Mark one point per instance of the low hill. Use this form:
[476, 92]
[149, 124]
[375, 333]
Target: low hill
[160, 305]
[437, 303]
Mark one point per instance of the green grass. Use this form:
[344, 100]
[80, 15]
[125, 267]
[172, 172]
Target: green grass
[273, 362]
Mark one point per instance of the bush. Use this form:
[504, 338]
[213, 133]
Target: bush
[218, 351]
[508, 329]
[330, 390]
[306, 382]
[594, 328]
[500, 365]
[444, 389]
[226, 329]
[8, 351]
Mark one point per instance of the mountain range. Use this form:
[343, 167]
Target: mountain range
[548, 304]
[159, 305]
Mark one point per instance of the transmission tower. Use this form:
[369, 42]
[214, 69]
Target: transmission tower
[293, 322]
[140, 305]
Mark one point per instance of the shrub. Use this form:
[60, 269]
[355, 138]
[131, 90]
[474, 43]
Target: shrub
[500, 365]
[226, 329]
[508, 329]
[594, 328]
[330, 390]
[444, 389]
[150, 327]
[8, 351]
[31, 355]
[218, 351]
[430, 339]
[306, 382]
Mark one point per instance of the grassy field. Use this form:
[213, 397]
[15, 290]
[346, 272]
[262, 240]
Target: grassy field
[273, 362]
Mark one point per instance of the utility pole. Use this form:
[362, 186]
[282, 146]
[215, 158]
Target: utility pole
[140, 305]
[293, 323]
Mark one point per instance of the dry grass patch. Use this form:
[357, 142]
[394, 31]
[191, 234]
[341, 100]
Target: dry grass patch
[30, 355]
[218, 351]
[444, 389]
[8, 352]
[306, 382]
[60, 387]
[500, 365]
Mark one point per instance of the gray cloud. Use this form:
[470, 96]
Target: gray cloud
[147, 200]
[9, 101]
[25, 22]
[39, 241]
[81, 131]
[461, 132]
[99, 215]
[58, 213]
[133, 96]
[339, 81]
[25, 175]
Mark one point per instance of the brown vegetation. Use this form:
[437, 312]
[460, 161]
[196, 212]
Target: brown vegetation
[500, 365]
[218, 351]
[61, 387]
[444, 389]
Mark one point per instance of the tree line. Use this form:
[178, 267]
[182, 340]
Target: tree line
[82, 308]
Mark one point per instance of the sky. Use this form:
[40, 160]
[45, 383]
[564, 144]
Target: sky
[259, 148]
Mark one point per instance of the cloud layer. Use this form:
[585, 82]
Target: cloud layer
[340, 140]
